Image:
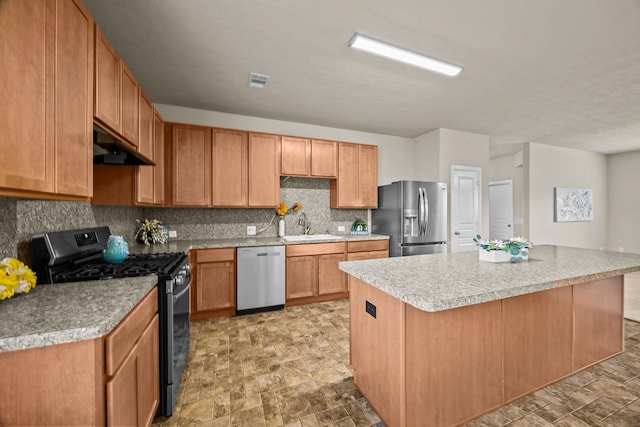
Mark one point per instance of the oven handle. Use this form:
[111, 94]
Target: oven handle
[182, 292]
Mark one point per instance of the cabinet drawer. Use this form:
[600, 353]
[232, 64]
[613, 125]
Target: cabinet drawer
[315, 249]
[122, 339]
[215, 255]
[368, 245]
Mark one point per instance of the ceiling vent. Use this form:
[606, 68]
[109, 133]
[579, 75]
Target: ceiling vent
[257, 80]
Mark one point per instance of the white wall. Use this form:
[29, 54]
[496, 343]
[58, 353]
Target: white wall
[393, 151]
[502, 169]
[623, 177]
[548, 167]
[426, 156]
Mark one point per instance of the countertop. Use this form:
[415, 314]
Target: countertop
[59, 313]
[175, 245]
[444, 281]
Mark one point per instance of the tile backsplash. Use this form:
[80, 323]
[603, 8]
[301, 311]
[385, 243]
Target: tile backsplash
[312, 193]
[22, 218]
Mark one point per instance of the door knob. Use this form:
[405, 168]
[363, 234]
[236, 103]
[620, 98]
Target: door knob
[509, 225]
[457, 233]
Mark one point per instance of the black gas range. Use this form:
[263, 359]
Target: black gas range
[76, 256]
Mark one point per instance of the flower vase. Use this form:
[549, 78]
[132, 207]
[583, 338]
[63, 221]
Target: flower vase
[281, 227]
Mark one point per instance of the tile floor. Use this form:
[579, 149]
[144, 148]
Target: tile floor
[289, 368]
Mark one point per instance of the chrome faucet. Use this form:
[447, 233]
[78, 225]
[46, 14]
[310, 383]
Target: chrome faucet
[304, 221]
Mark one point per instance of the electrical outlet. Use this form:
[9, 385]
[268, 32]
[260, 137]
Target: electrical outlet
[173, 234]
[341, 228]
[251, 230]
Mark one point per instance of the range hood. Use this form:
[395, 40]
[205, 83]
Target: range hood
[109, 150]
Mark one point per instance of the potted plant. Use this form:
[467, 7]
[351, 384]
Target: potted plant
[515, 249]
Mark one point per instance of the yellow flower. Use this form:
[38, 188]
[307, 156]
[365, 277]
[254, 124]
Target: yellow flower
[282, 209]
[15, 277]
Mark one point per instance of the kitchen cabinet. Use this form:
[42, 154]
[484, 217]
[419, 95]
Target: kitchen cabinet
[108, 69]
[125, 185]
[47, 92]
[230, 165]
[109, 380]
[214, 284]
[264, 167]
[357, 183]
[367, 249]
[308, 157]
[145, 179]
[190, 164]
[313, 274]
[132, 366]
[131, 105]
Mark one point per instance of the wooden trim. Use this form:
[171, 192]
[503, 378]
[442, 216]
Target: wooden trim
[368, 245]
[210, 314]
[315, 249]
[215, 254]
[315, 299]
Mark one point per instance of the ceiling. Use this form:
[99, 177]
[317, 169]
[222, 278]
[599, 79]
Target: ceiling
[565, 73]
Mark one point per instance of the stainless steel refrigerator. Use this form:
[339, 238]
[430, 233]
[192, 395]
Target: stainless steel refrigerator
[414, 216]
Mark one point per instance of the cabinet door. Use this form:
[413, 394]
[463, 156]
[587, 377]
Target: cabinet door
[158, 156]
[145, 177]
[73, 99]
[324, 158]
[216, 285]
[302, 274]
[130, 108]
[368, 176]
[230, 164]
[191, 165]
[107, 83]
[264, 170]
[331, 279]
[148, 368]
[296, 155]
[346, 193]
[122, 393]
[27, 91]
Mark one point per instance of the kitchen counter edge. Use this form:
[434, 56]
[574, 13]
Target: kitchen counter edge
[445, 281]
[52, 314]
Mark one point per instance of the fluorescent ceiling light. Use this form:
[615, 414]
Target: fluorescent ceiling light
[366, 44]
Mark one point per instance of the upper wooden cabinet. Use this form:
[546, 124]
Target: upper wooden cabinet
[47, 74]
[230, 168]
[190, 165]
[131, 108]
[158, 155]
[264, 164]
[357, 182]
[308, 157]
[108, 84]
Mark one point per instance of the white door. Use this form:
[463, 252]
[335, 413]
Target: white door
[466, 197]
[501, 210]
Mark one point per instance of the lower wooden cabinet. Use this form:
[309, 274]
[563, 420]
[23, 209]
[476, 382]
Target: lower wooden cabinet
[313, 274]
[214, 283]
[110, 380]
[132, 366]
[367, 249]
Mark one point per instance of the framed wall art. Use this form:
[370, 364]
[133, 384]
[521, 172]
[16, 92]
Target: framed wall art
[573, 204]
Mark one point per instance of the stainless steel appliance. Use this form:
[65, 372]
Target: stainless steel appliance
[261, 279]
[414, 216]
[76, 255]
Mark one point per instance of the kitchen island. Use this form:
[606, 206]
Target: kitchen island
[441, 339]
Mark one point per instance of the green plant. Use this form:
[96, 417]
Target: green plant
[150, 231]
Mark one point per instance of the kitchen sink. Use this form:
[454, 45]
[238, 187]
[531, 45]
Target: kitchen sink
[311, 237]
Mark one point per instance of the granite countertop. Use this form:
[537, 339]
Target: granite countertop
[175, 245]
[444, 281]
[59, 313]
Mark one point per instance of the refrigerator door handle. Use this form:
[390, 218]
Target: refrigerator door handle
[425, 200]
[421, 212]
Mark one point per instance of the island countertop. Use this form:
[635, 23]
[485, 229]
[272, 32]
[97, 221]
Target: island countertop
[65, 312]
[444, 281]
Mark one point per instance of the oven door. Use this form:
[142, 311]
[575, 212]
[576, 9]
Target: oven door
[178, 336]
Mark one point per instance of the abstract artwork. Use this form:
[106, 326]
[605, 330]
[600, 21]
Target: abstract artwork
[573, 204]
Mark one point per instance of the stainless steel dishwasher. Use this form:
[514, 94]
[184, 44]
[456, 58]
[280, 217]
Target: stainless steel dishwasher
[261, 279]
